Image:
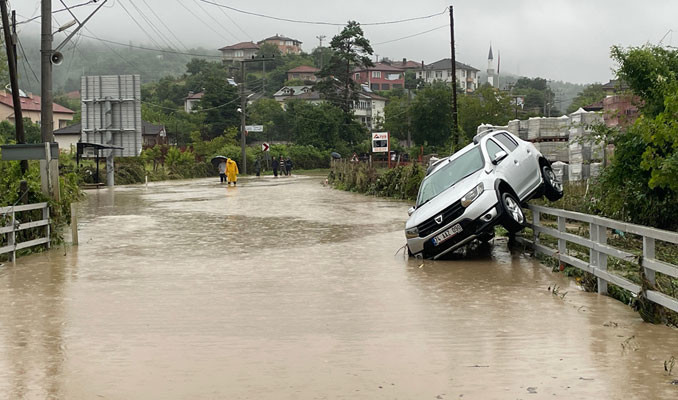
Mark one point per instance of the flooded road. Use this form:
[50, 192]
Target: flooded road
[285, 289]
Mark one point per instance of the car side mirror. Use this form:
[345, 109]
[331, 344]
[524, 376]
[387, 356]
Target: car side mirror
[410, 211]
[500, 155]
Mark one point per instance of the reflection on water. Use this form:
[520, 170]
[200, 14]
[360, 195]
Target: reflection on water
[285, 289]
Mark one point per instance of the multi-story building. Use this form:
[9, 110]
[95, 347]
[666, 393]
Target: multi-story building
[31, 109]
[304, 73]
[380, 77]
[467, 76]
[285, 44]
[238, 52]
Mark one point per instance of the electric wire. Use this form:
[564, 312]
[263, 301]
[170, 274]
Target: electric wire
[223, 11]
[25, 58]
[166, 27]
[411, 36]
[138, 24]
[322, 22]
[215, 20]
[58, 11]
[201, 20]
[167, 41]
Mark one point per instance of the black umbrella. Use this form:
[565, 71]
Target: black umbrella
[335, 155]
[216, 160]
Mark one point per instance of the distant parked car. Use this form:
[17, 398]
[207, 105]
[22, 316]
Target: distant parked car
[465, 195]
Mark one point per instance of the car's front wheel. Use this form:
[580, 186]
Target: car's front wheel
[514, 219]
[553, 187]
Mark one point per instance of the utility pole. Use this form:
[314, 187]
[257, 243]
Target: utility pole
[243, 107]
[10, 45]
[455, 127]
[243, 132]
[46, 118]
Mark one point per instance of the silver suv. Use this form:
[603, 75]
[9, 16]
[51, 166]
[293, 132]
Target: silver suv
[484, 184]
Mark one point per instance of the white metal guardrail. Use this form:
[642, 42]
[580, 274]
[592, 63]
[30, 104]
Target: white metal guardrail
[600, 250]
[15, 225]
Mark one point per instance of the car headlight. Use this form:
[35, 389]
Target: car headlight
[472, 195]
[411, 233]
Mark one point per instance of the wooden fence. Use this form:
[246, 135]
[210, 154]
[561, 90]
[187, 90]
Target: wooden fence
[15, 225]
[600, 250]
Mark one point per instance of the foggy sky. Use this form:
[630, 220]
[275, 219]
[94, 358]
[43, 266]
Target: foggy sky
[554, 39]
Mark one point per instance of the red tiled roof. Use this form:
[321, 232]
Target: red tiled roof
[303, 68]
[241, 46]
[407, 65]
[31, 103]
[195, 95]
[380, 67]
[75, 95]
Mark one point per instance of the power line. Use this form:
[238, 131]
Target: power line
[166, 27]
[58, 11]
[411, 36]
[214, 19]
[26, 62]
[200, 19]
[167, 41]
[297, 21]
[138, 24]
[234, 23]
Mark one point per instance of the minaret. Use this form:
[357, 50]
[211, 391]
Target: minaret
[490, 68]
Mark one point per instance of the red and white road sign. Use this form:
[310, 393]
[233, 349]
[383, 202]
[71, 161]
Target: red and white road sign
[265, 146]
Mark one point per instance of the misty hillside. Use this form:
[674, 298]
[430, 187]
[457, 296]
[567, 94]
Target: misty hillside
[90, 57]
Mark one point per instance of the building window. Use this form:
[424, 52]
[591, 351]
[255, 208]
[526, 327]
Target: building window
[357, 76]
[439, 74]
[397, 86]
[63, 123]
[385, 86]
[374, 86]
[449, 73]
[376, 74]
[428, 74]
[239, 53]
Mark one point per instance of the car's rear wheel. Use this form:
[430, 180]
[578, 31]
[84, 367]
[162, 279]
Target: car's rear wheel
[513, 217]
[553, 187]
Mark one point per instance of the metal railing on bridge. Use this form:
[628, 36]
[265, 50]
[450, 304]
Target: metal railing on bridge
[13, 224]
[600, 250]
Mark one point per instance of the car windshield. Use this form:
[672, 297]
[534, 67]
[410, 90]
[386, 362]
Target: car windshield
[447, 176]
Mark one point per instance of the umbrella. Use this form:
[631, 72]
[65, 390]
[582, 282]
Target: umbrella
[335, 155]
[218, 159]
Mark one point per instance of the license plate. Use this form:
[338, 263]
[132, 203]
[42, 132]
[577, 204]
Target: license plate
[446, 234]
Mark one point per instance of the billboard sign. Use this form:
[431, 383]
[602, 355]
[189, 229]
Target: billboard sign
[380, 142]
[111, 112]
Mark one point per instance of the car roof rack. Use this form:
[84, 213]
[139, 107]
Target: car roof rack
[476, 138]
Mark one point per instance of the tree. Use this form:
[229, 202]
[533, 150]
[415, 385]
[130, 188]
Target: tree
[591, 94]
[397, 116]
[350, 49]
[431, 116]
[538, 96]
[486, 105]
[267, 112]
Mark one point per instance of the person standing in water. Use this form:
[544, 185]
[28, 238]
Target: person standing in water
[274, 165]
[222, 170]
[231, 172]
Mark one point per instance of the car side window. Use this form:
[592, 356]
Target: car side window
[507, 141]
[492, 149]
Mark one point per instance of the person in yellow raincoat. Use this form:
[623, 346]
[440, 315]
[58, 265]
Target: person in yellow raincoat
[231, 172]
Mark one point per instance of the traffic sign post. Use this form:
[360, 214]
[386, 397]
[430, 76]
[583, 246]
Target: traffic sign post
[265, 147]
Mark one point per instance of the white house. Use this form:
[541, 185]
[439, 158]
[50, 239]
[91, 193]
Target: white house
[467, 76]
[192, 100]
[369, 109]
[287, 92]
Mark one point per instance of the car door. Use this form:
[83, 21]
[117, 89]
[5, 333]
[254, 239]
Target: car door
[528, 175]
[505, 169]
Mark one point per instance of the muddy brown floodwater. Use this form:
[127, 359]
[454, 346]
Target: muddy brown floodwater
[285, 289]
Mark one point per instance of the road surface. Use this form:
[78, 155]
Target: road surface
[286, 289]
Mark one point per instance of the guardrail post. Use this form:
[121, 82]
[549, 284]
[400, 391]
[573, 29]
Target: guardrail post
[648, 252]
[601, 237]
[45, 215]
[562, 243]
[12, 236]
[535, 224]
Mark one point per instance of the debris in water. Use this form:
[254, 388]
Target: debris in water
[532, 390]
